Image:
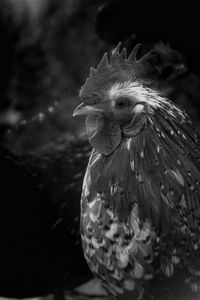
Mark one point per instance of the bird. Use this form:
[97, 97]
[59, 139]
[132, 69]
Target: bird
[140, 203]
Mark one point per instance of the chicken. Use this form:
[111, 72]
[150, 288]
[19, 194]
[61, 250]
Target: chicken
[140, 207]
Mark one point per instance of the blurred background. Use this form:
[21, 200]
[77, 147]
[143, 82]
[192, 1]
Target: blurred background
[46, 50]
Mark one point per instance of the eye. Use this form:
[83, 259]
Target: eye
[122, 103]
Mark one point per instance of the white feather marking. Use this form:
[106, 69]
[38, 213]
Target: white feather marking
[109, 265]
[113, 229]
[169, 269]
[110, 213]
[162, 134]
[134, 219]
[138, 108]
[113, 189]
[95, 243]
[139, 177]
[142, 154]
[92, 203]
[128, 144]
[86, 184]
[183, 202]
[93, 217]
[90, 252]
[191, 188]
[177, 176]
[175, 260]
[129, 284]
[132, 165]
[123, 258]
[138, 270]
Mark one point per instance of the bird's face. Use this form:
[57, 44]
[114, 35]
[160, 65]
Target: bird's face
[113, 100]
[123, 106]
[120, 103]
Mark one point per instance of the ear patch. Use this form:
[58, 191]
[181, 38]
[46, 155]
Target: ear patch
[138, 108]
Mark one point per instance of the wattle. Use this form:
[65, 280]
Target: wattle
[104, 135]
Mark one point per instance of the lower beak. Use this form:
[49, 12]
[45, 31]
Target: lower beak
[83, 109]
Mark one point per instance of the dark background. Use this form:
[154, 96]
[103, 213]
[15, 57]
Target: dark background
[46, 50]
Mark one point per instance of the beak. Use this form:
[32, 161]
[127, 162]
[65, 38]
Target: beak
[83, 109]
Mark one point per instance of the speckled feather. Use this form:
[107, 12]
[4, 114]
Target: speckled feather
[141, 203]
[159, 192]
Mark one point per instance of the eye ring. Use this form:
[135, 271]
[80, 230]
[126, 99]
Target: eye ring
[122, 103]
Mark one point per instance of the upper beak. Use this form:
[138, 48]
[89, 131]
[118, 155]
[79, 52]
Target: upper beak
[83, 109]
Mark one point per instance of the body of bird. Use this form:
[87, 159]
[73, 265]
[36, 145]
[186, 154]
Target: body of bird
[140, 208]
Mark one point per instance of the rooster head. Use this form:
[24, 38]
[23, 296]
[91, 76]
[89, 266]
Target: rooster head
[116, 96]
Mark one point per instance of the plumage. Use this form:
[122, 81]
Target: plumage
[140, 210]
